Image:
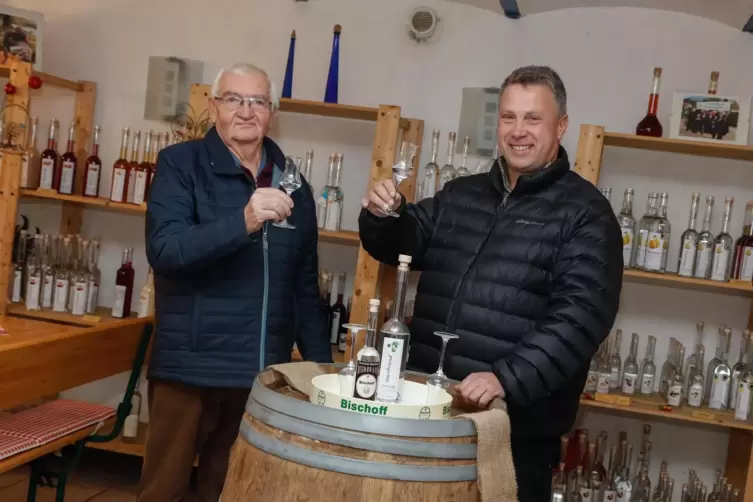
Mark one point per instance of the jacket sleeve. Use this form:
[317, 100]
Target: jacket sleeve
[387, 238]
[175, 242]
[585, 296]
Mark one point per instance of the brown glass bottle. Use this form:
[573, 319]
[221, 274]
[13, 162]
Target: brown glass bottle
[140, 172]
[119, 182]
[650, 125]
[742, 261]
[65, 174]
[124, 286]
[49, 159]
[93, 168]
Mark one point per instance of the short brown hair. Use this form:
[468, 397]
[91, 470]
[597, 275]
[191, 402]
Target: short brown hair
[541, 75]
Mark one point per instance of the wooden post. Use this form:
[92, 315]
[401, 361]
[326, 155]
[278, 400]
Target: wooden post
[199, 99]
[590, 146]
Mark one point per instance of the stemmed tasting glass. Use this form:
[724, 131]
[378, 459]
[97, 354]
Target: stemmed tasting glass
[402, 170]
[290, 182]
[348, 373]
[438, 380]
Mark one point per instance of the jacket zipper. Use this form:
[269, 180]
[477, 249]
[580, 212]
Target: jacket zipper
[452, 314]
[263, 343]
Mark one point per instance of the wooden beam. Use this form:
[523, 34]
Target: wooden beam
[84, 118]
[590, 147]
[9, 193]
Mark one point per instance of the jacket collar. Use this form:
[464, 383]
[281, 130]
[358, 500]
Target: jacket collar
[222, 160]
[532, 182]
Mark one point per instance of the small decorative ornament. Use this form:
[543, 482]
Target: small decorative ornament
[35, 82]
[10, 89]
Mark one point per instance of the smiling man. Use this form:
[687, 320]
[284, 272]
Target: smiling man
[524, 263]
[228, 285]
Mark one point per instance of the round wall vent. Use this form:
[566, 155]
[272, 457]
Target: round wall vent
[423, 23]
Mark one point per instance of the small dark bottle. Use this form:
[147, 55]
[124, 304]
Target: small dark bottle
[49, 159]
[65, 173]
[650, 125]
[338, 314]
[124, 286]
[93, 168]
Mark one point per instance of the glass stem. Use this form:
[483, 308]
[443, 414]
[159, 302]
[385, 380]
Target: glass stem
[353, 337]
[441, 356]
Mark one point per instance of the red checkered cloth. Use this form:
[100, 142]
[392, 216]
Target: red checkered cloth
[48, 422]
[13, 445]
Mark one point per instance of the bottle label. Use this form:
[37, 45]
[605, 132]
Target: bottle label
[32, 293]
[118, 306]
[16, 293]
[444, 177]
[366, 380]
[131, 187]
[647, 385]
[92, 180]
[48, 289]
[92, 297]
[628, 383]
[624, 491]
[614, 379]
[80, 295]
[334, 212]
[118, 184]
[719, 266]
[703, 258]
[627, 246]
[321, 209]
[66, 177]
[334, 328]
[746, 268]
[742, 406]
[430, 183]
[736, 375]
[674, 395]
[719, 392]
[640, 257]
[695, 395]
[687, 258]
[388, 386]
[591, 381]
[46, 172]
[654, 251]
[586, 495]
[25, 163]
[602, 384]
[60, 300]
[139, 190]
[610, 496]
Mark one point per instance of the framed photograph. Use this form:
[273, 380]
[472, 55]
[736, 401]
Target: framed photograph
[711, 118]
[21, 35]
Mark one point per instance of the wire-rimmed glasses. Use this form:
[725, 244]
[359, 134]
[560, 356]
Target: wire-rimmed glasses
[290, 182]
[348, 373]
[402, 170]
[438, 380]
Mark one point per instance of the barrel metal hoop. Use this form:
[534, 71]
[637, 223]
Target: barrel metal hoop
[359, 440]
[356, 467]
[405, 427]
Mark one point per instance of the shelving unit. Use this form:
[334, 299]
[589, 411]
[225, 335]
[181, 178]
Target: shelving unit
[591, 142]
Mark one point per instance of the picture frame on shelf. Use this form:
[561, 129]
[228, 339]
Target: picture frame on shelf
[710, 118]
[21, 35]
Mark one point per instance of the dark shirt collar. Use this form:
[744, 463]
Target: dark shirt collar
[533, 181]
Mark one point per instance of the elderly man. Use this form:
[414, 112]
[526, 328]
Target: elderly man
[523, 263]
[227, 284]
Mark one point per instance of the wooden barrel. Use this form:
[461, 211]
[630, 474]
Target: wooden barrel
[291, 450]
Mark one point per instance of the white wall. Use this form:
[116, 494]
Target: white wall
[604, 60]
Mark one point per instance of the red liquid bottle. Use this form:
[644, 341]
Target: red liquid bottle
[650, 125]
[119, 183]
[133, 167]
[65, 174]
[121, 307]
[49, 159]
[93, 168]
[141, 172]
[742, 262]
[156, 147]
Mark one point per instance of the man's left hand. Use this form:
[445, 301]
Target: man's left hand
[479, 389]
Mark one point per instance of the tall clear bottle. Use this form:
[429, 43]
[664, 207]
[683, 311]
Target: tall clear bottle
[689, 240]
[447, 173]
[659, 233]
[615, 362]
[696, 380]
[335, 198]
[431, 170]
[677, 382]
[19, 264]
[49, 266]
[321, 203]
[367, 359]
[308, 166]
[63, 276]
[723, 246]
[394, 342]
[463, 170]
[705, 247]
[643, 228]
[33, 289]
[630, 373]
[648, 368]
[30, 159]
[739, 368]
[742, 262]
[80, 279]
[94, 277]
[628, 226]
[721, 376]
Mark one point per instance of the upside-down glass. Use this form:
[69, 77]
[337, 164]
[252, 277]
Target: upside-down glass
[402, 170]
[290, 182]
[438, 380]
[348, 373]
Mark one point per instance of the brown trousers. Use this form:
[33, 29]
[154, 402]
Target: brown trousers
[185, 421]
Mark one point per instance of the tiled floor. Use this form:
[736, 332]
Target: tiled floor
[101, 477]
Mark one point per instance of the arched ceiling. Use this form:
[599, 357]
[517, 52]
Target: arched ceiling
[735, 13]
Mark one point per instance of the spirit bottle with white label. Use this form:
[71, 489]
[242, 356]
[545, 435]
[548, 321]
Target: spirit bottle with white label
[615, 362]
[133, 167]
[721, 376]
[321, 203]
[65, 174]
[33, 289]
[30, 159]
[623, 483]
[592, 377]
[119, 185]
[94, 277]
[643, 228]
[63, 276]
[630, 372]
[604, 376]
[308, 166]
[335, 198]
[49, 265]
[121, 307]
[140, 172]
[19, 263]
[723, 244]
[463, 170]
[367, 359]
[677, 382]
[607, 193]
[713, 363]
[743, 399]
[431, 171]
[667, 369]
[705, 246]
[648, 369]
[739, 368]
[742, 262]
[93, 166]
[689, 240]
[394, 341]
[447, 173]
[80, 279]
[659, 234]
[49, 159]
[628, 226]
[695, 376]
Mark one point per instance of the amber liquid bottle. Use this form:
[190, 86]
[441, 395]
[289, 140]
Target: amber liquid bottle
[93, 168]
[121, 307]
[49, 158]
[65, 174]
[140, 172]
[742, 261]
[120, 171]
[650, 125]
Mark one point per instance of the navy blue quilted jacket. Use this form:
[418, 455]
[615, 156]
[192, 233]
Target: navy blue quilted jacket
[227, 303]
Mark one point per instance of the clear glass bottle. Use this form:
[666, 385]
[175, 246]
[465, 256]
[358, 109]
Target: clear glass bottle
[367, 359]
[604, 377]
[692, 362]
[659, 233]
[607, 193]
[695, 376]
[95, 276]
[615, 362]
[742, 262]
[447, 173]
[721, 376]
[33, 289]
[738, 369]
[19, 264]
[308, 166]
[463, 170]
[49, 267]
[723, 244]
[713, 363]
[80, 279]
[63, 276]
[643, 227]
[667, 367]
[630, 373]
[705, 246]
[677, 382]
[742, 402]
[30, 159]
[321, 203]
[648, 368]
[689, 240]
[335, 198]
[624, 484]
[394, 342]
[431, 170]
[592, 377]
[628, 226]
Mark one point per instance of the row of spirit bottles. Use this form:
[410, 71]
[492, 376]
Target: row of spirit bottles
[132, 176]
[645, 243]
[337, 313]
[329, 206]
[435, 178]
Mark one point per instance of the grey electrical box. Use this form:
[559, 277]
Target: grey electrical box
[479, 112]
[168, 86]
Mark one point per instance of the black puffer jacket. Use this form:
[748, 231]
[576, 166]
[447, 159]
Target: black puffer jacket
[529, 279]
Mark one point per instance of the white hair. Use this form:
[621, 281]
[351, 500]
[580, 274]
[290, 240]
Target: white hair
[247, 69]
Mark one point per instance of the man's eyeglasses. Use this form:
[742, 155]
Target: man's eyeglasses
[234, 101]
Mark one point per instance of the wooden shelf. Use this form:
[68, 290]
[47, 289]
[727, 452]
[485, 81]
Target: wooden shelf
[722, 151]
[328, 109]
[346, 237]
[100, 318]
[94, 202]
[47, 78]
[671, 280]
[653, 407]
